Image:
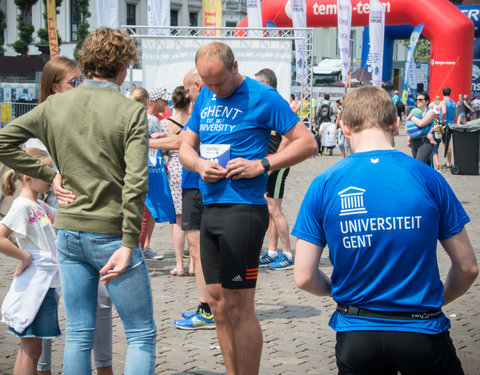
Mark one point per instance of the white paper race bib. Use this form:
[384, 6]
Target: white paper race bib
[220, 154]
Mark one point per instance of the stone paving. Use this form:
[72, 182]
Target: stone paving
[297, 339]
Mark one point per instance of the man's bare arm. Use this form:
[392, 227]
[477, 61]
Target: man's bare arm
[464, 268]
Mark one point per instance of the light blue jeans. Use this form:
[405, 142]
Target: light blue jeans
[80, 257]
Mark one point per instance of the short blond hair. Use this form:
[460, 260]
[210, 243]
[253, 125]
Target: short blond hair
[105, 52]
[367, 107]
[139, 94]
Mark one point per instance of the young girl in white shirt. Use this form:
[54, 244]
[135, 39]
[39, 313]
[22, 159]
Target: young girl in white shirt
[30, 307]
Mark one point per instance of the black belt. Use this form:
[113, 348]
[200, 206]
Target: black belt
[358, 311]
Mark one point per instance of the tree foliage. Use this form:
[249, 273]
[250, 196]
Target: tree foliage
[24, 26]
[422, 50]
[3, 26]
[82, 30]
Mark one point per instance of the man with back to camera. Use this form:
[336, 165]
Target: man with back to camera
[448, 109]
[235, 133]
[381, 213]
[278, 226]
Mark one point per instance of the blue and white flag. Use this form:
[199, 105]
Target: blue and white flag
[409, 76]
[344, 17]
[158, 14]
[377, 33]
[254, 13]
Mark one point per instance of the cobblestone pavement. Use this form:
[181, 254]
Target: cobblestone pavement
[297, 339]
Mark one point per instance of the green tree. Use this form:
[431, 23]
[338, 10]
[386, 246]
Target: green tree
[422, 50]
[43, 32]
[3, 26]
[82, 30]
[24, 26]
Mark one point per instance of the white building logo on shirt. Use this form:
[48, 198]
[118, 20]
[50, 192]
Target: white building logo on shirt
[352, 201]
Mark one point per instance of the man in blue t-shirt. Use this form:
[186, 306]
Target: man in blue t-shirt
[448, 109]
[232, 118]
[381, 212]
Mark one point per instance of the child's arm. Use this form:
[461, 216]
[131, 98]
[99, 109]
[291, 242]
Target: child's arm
[10, 250]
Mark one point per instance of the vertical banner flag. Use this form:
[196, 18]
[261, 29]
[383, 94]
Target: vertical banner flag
[344, 17]
[158, 14]
[377, 32]
[409, 76]
[107, 13]
[254, 14]
[52, 28]
[299, 21]
[212, 16]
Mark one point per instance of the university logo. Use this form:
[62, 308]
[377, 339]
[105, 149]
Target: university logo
[352, 201]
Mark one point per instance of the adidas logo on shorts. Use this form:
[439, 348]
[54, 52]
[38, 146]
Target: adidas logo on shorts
[237, 278]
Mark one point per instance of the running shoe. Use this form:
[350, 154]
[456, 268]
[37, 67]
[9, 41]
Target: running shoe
[281, 263]
[199, 320]
[266, 259]
[150, 254]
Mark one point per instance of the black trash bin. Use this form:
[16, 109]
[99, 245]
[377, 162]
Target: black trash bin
[466, 140]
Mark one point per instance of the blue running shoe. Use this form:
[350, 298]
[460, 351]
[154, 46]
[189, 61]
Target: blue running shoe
[199, 320]
[281, 263]
[188, 314]
[266, 259]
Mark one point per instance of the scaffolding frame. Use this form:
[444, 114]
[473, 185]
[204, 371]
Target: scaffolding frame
[139, 32]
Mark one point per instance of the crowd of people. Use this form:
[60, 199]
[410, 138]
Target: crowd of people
[227, 147]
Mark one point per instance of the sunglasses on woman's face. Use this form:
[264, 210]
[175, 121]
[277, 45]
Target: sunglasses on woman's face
[419, 100]
[75, 82]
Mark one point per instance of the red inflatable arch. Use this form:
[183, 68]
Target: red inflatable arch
[449, 30]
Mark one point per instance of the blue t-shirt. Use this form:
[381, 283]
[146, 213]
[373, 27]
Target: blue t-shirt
[381, 213]
[243, 121]
[451, 109]
[189, 179]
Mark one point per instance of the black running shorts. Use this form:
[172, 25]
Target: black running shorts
[192, 209]
[231, 238]
[276, 183]
[386, 352]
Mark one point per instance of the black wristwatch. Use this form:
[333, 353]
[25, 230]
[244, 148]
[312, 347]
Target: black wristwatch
[265, 164]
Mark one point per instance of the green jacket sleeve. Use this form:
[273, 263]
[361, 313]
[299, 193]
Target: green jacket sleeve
[136, 178]
[30, 125]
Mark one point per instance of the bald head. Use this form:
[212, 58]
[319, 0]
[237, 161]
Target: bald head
[218, 69]
[192, 82]
[216, 49]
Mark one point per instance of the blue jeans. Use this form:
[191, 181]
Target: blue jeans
[80, 256]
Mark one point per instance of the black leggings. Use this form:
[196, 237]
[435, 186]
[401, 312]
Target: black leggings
[422, 149]
[386, 352]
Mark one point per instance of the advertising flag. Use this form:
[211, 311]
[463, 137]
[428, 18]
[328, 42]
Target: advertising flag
[344, 17]
[409, 76]
[107, 13]
[254, 13]
[377, 33]
[299, 21]
[158, 14]
[212, 16]
[52, 28]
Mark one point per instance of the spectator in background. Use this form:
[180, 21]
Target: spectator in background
[476, 106]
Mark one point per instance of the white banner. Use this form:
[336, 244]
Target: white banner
[376, 33]
[297, 9]
[254, 14]
[107, 13]
[177, 56]
[344, 17]
[158, 14]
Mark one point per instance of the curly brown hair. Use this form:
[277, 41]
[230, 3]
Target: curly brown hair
[105, 52]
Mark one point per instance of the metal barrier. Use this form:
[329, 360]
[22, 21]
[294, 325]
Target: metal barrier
[11, 110]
